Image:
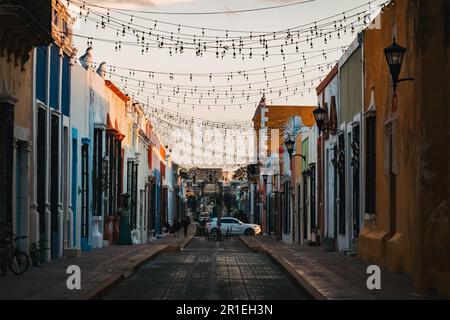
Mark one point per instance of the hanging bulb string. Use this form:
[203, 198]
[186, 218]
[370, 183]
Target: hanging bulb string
[186, 119]
[198, 13]
[231, 90]
[224, 50]
[244, 72]
[216, 87]
[293, 87]
[193, 43]
[232, 124]
[127, 27]
[201, 101]
[161, 124]
[296, 93]
[253, 32]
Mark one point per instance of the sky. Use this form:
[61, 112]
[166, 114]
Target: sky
[269, 20]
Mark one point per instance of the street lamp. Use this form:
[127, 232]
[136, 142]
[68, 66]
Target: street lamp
[289, 146]
[394, 56]
[319, 115]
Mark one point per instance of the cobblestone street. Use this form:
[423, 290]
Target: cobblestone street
[210, 270]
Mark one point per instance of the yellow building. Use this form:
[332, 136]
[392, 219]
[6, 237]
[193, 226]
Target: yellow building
[24, 25]
[407, 153]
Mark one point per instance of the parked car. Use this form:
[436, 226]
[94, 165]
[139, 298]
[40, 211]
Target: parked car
[238, 227]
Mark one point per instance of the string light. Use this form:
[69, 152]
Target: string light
[226, 46]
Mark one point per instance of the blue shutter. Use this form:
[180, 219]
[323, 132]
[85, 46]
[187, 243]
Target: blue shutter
[54, 77]
[41, 74]
[66, 86]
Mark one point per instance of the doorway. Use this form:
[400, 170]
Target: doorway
[6, 161]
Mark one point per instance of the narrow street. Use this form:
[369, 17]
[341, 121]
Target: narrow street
[309, 138]
[209, 270]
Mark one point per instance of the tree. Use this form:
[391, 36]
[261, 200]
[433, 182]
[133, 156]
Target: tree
[240, 174]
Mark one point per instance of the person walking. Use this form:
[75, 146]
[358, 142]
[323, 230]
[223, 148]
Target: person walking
[124, 225]
[186, 222]
[177, 227]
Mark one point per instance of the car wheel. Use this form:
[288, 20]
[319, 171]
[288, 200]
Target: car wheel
[249, 232]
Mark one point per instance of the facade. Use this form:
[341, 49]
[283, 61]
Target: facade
[51, 113]
[24, 26]
[271, 179]
[88, 136]
[328, 98]
[375, 181]
[406, 154]
[309, 224]
[348, 145]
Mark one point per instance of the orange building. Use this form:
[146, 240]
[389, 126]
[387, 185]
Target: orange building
[407, 154]
[269, 123]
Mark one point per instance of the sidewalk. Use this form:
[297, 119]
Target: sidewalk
[100, 269]
[331, 275]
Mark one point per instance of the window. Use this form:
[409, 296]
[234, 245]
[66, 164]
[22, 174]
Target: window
[54, 77]
[287, 208]
[305, 204]
[42, 171]
[132, 191]
[55, 18]
[41, 74]
[115, 172]
[98, 178]
[341, 174]
[65, 95]
[356, 177]
[312, 195]
[54, 185]
[370, 196]
[84, 190]
[112, 174]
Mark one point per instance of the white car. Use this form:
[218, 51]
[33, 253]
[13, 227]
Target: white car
[237, 227]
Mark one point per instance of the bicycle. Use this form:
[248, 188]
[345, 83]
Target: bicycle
[12, 257]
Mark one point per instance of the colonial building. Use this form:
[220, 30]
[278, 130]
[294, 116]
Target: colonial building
[269, 124]
[51, 114]
[406, 154]
[24, 25]
[329, 165]
[348, 146]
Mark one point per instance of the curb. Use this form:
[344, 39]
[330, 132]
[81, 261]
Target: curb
[179, 246]
[186, 243]
[286, 267]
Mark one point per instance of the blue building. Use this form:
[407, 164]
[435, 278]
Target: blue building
[51, 119]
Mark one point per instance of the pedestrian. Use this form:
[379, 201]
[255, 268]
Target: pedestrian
[124, 226]
[167, 226]
[186, 222]
[219, 231]
[177, 227]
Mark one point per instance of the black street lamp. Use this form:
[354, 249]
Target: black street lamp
[319, 115]
[289, 146]
[394, 56]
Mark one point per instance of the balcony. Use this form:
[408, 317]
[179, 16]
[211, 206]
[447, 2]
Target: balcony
[24, 25]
